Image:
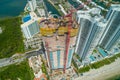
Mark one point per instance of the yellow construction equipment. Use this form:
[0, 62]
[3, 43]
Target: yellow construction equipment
[62, 30]
[47, 31]
[73, 32]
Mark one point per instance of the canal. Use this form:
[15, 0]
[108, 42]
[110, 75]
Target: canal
[100, 3]
[51, 8]
[74, 3]
[103, 4]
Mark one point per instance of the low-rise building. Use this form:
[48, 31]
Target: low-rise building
[36, 64]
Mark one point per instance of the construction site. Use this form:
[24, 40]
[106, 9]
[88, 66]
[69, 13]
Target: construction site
[59, 37]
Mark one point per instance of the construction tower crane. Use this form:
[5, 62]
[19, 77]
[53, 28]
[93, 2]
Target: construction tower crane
[69, 15]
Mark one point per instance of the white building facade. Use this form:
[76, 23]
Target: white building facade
[91, 29]
[32, 4]
[30, 28]
[112, 32]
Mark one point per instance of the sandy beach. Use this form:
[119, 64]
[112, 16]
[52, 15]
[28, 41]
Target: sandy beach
[102, 73]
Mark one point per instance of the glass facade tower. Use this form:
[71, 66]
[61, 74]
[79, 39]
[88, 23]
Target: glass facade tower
[112, 31]
[91, 29]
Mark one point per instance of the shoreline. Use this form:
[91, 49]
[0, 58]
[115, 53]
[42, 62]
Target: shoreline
[11, 8]
[104, 73]
[8, 17]
[3, 18]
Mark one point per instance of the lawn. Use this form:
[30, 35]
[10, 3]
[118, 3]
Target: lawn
[20, 71]
[78, 57]
[100, 63]
[84, 69]
[118, 55]
[96, 65]
[44, 70]
[75, 65]
[11, 40]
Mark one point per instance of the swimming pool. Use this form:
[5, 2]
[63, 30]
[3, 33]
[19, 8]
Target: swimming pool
[92, 58]
[26, 18]
[102, 52]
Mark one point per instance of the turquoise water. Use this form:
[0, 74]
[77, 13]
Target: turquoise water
[102, 52]
[9, 8]
[74, 3]
[92, 58]
[51, 8]
[103, 4]
[26, 18]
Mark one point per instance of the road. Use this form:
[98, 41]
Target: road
[8, 61]
[13, 60]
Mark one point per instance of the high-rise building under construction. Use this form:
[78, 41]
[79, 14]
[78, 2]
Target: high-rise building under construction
[59, 36]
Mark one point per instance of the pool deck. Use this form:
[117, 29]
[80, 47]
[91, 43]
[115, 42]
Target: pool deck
[102, 52]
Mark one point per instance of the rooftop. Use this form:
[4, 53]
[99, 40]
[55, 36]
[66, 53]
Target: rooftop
[35, 63]
[91, 14]
[56, 27]
[55, 31]
[115, 7]
[27, 23]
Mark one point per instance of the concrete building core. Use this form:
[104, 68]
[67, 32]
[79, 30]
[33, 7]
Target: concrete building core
[54, 33]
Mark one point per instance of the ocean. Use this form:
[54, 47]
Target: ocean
[10, 8]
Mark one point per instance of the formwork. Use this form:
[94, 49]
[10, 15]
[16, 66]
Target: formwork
[54, 33]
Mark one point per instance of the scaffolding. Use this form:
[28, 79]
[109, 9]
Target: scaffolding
[60, 31]
[47, 31]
